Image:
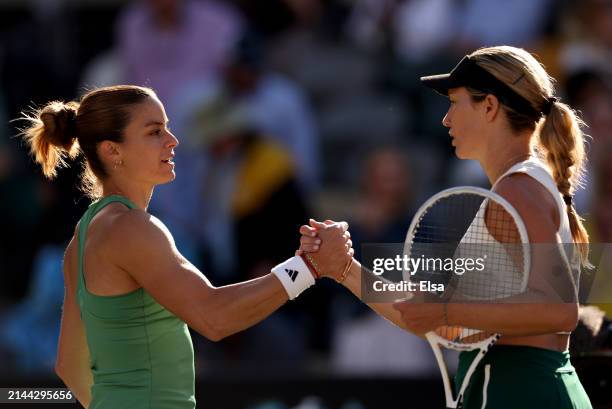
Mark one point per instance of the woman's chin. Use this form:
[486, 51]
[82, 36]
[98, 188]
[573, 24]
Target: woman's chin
[462, 154]
[459, 154]
[166, 179]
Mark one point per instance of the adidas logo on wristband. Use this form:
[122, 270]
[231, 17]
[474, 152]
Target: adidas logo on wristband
[292, 274]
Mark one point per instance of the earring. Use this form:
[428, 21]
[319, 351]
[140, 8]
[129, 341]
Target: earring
[118, 163]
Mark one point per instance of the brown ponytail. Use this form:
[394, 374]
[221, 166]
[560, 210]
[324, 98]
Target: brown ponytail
[561, 142]
[51, 135]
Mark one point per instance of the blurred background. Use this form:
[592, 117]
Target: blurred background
[285, 109]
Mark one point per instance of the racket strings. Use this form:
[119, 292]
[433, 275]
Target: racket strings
[464, 227]
[493, 234]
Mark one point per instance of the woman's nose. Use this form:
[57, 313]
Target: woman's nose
[173, 141]
[446, 121]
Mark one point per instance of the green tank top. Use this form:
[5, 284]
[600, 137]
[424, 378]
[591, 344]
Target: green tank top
[141, 355]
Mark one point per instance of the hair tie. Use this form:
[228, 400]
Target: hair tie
[548, 105]
[518, 79]
[568, 199]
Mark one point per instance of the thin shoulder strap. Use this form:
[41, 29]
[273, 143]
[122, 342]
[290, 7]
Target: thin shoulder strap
[538, 171]
[93, 209]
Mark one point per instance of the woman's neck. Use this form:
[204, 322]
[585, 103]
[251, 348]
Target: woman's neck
[510, 150]
[137, 195]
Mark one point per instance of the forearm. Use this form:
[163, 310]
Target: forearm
[515, 319]
[236, 307]
[522, 315]
[353, 282]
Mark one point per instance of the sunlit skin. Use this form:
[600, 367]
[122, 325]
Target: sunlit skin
[464, 122]
[145, 154]
[478, 131]
[127, 249]
[481, 131]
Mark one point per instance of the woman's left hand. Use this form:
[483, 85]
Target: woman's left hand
[420, 317]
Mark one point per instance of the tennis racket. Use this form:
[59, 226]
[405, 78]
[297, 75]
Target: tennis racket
[458, 224]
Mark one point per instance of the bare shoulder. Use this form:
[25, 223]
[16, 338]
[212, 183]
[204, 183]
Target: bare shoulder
[534, 203]
[136, 226]
[137, 241]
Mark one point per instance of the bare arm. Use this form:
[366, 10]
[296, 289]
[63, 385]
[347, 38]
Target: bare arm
[325, 245]
[549, 305]
[515, 318]
[353, 282]
[142, 246]
[72, 364]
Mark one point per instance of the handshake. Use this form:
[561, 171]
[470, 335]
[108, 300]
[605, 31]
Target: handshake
[327, 249]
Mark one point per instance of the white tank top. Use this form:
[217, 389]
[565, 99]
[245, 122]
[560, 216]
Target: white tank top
[539, 172]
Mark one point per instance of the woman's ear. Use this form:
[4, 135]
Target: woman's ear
[491, 107]
[109, 152]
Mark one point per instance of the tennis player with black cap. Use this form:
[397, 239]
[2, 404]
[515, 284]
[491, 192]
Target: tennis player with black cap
[503, 113]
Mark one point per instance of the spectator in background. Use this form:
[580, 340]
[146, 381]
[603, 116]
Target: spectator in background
[278, 107]
[408, 39]
[362, 343]
[588, 32]
[342, 83]
[425, 29]
[488, 22]
[419, 29]
[165, 43]
[590, 91]
[249, 186]
[384, 212]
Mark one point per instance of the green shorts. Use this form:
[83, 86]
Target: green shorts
[522, 377]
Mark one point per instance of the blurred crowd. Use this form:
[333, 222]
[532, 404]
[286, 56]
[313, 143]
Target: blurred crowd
[285, 110]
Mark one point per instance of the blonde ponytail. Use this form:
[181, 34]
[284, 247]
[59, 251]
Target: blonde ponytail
[561, 142]
[51, 135]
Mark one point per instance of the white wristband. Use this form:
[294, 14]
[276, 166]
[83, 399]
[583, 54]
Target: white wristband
[294, 275]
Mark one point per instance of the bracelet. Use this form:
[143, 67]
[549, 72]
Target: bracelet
[344, 274]
[312, 265]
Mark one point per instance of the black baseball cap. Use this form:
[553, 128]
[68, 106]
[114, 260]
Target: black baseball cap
[469, 74]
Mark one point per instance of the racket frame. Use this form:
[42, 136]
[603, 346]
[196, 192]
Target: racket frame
[435, 341]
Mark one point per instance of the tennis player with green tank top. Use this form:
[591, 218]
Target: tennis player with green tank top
[129, 294]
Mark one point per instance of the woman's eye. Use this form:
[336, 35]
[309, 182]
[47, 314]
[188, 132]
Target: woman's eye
[156, 132]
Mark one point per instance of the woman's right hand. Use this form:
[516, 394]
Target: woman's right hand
[327, 246]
